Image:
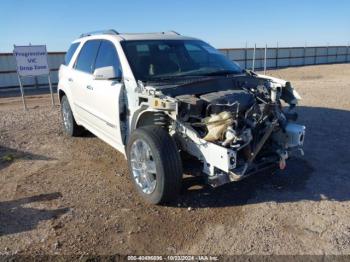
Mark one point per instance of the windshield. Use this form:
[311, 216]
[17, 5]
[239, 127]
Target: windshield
[153, 60]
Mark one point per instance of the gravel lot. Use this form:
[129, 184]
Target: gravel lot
[73, 196]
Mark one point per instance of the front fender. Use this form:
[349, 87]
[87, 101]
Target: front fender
[289, 94]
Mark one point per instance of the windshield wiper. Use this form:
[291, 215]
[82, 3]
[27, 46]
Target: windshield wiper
[189, 76]
[222, 72]
[177, 77]
[250, 72]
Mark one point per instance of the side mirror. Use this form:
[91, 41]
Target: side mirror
[105, 73]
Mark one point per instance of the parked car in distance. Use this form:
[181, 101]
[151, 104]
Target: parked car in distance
[157, 96]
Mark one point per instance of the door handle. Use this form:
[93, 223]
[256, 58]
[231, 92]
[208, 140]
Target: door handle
[70, 79]
[89, 87]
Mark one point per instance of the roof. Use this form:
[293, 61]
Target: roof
[171, 35]
[154, 36]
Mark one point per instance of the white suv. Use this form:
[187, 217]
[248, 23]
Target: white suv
[156, 97]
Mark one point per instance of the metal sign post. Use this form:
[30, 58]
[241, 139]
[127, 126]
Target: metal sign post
[50, 86]
[31, 62]
[22, 93]
[265, 59]
[253, 63]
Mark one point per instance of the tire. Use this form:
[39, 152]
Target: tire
[70, 127]
[154, 144]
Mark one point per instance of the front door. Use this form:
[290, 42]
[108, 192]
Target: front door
[103, 96]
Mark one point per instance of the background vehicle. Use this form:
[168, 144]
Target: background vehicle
[152, 96]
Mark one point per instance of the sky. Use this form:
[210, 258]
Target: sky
[221, 23]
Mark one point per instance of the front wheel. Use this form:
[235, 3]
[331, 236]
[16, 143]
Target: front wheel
[154, 164]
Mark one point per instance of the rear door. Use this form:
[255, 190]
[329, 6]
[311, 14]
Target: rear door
[80, 80]
[104, 95]
[65, 72]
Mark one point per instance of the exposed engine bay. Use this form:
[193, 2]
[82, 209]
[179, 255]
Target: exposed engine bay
[235, 126]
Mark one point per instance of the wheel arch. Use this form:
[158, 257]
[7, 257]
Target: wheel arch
[61, 93]
[144, 116]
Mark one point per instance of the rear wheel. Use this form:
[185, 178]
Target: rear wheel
[154, 164]
[70, 127]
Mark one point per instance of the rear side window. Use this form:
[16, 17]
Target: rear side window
[107, 56]
[87, 56]
[70, 53]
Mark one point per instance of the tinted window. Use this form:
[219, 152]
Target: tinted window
[87, 56]
[107, 56]
[195, 52]
[70, 53]
[171, 59]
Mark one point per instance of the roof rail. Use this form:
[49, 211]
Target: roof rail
[172, 32]
[105, 32]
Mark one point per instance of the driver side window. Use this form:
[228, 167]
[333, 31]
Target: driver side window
[107, 56]
[87, 55]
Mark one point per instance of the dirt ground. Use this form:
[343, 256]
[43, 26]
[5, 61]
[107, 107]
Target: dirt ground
[60, 195]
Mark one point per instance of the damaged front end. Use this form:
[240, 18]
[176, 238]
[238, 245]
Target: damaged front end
[235, 126]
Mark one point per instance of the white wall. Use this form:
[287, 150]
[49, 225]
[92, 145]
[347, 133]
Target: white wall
[275, 58]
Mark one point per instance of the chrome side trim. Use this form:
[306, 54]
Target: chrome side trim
[103, 120]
